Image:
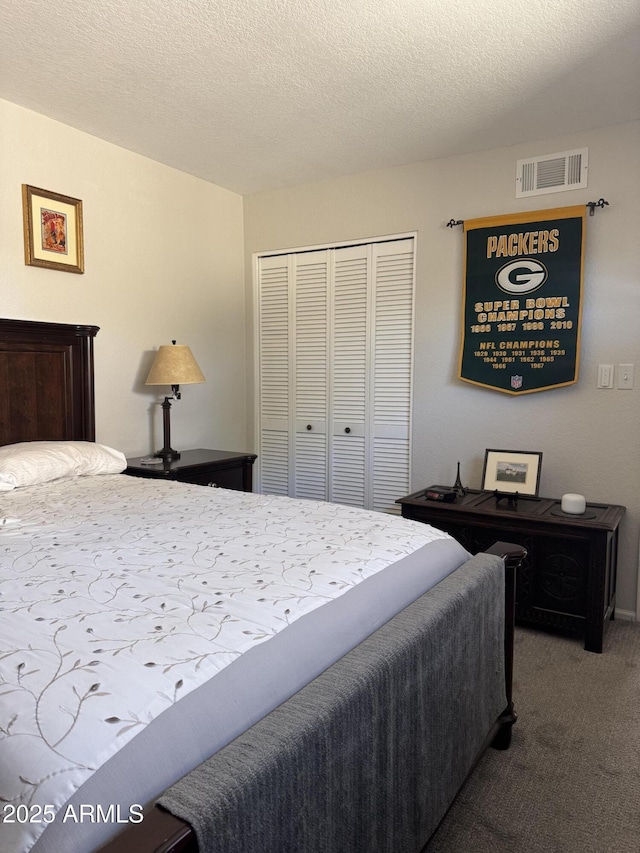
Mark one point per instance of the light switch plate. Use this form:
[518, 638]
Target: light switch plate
[605, 376]
[625, 376]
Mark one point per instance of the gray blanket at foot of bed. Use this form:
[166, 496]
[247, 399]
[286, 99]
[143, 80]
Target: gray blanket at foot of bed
[368, 757]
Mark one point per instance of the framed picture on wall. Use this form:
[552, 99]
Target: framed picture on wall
[512, 471]
[53, 236]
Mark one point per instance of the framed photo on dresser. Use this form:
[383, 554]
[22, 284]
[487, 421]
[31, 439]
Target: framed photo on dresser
[512, 471]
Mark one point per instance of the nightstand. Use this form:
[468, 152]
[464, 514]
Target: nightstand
[223, 468]
[567, 581]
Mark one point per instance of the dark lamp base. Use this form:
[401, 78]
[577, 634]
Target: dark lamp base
[167, 454]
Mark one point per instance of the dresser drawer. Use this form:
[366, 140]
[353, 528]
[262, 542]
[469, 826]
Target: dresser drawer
[223, 478]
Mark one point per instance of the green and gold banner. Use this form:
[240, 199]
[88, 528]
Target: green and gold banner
[522, 302]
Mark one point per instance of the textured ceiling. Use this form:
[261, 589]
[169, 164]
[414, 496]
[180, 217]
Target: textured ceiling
[258, 94]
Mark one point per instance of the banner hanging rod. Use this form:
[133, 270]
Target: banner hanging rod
[593, 204]
[452, 223]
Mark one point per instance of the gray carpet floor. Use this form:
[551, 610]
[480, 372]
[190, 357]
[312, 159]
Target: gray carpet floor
[571, 779]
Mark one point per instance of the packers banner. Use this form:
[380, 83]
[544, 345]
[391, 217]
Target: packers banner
[522, 300]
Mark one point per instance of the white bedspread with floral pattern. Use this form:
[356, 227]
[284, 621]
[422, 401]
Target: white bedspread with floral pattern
[119, 595]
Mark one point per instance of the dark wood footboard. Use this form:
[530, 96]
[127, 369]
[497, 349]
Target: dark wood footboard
[512, 555]
[161, 832]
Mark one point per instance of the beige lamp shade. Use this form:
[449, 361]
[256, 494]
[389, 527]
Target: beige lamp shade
[174, 365]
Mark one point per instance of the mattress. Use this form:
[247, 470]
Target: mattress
[146, 624]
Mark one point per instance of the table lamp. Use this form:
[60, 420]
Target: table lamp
[173, 365]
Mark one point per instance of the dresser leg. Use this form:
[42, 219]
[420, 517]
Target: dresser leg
[594, 638]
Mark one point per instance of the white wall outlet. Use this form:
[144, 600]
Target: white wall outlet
[605, 376]
[625, 376]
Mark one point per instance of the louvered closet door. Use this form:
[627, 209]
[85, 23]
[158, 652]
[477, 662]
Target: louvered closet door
[335, 355]
[310, 370]
[393, 275]
[274, 375]
[349, 357]
[293, 342]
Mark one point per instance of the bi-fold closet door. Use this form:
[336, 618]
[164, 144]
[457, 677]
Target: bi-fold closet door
[334, 373]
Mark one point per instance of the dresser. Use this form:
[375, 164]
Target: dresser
[567, 582]
[223, 468]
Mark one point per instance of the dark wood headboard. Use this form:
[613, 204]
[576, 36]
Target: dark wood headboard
[46, 381]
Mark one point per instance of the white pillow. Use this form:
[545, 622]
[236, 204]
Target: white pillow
[32, 462]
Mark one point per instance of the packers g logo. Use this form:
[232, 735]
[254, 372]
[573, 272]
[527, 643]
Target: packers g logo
[521, 276]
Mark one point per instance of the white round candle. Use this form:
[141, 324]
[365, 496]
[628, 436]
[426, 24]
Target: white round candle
[574, 504]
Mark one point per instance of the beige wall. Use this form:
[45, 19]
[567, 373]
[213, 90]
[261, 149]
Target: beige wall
[589, 437]
[163, 253]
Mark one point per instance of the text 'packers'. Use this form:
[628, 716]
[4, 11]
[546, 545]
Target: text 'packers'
[523, 243]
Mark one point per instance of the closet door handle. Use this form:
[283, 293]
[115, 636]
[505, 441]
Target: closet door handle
[308, 426]
[347, 429]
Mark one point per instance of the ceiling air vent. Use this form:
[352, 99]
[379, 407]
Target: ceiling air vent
[553, 173]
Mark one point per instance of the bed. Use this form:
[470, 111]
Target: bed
[276, 674]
